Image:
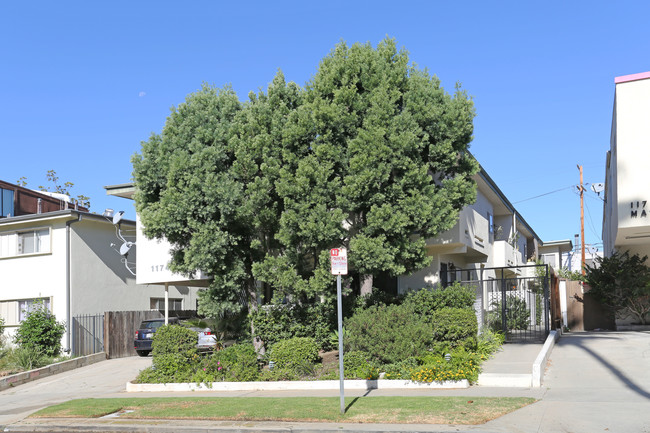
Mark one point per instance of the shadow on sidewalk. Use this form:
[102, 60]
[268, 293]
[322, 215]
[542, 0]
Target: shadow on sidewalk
[578, 340]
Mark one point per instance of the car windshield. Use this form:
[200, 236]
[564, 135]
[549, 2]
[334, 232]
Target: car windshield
[152, 325]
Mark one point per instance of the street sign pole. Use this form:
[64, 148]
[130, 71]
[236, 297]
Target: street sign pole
[339, 262]
[339, 305]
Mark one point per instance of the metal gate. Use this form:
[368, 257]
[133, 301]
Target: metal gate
[512, 300]
[87, 334]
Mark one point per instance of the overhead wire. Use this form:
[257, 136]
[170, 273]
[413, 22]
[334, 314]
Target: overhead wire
[542, 195]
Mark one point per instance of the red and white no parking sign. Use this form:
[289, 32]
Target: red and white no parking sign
[339, 261]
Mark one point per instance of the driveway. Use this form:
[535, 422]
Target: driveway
[103, 379]
[596, 382]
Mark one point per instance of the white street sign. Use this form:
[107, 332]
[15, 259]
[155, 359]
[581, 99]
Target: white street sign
[339, 261]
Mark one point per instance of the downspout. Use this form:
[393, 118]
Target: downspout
[68, 266]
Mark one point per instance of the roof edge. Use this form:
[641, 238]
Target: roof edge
[632, 77]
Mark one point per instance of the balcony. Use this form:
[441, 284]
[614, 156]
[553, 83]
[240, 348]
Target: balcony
[470, 237]
[506, 255]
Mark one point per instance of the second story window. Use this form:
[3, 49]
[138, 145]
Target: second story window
[6, 203]
[34, 241]
[25, 242]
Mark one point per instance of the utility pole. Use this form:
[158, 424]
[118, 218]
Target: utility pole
[582, 222]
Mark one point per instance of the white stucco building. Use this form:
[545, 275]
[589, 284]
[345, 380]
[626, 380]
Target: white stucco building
[626, 219]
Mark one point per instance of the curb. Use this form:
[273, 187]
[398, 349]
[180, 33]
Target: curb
[60, 367]
[542, 358]
[158, 426]
[294, 385]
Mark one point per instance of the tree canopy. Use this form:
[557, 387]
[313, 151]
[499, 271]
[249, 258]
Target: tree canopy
[372, 154]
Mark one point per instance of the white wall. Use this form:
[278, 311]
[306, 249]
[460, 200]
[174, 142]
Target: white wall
[630, 155]
[34, 276]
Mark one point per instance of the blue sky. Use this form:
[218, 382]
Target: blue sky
[83, 83]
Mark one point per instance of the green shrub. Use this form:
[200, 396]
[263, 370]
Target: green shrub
[457, 326]
[237, 363]
[359, 365]
[40, 331]
[274, 323]
[388, 333]
[425, 301]
[28, 358]
[489, 342]
[174, 353]
[294, 352]
[400, 370]
[517, 315]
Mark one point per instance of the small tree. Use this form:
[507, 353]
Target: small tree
[40, 331]
[622, 283]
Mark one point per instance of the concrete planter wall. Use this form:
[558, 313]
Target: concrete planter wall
[294, 385]
[59, 367]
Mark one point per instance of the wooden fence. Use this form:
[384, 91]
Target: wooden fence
[120, 327]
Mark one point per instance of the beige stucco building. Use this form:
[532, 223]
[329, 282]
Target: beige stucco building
[490, 233]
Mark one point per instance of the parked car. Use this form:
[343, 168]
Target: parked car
[143, 336]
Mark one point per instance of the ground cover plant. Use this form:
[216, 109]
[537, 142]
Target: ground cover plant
[403, 410]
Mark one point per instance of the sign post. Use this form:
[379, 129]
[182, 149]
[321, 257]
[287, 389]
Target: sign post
[339, 261]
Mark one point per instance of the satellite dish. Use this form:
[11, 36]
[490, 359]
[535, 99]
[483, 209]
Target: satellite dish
[124, 249]
[597, 187]
[118, 217]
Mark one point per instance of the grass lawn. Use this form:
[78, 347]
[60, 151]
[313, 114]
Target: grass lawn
[406, 410]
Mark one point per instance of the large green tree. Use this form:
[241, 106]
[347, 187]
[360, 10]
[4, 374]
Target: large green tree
[372, 155]
[388, 157]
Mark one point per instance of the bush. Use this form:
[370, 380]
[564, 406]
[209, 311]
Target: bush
[237, 363]
[400, 370]
[40, 331]
[28, 358]
[517, 315]
[388, 333]
[425, 301]
[274, 323]
[297, 355]
[174, 353]
[359, 365]
[457, 326]
[489, 342]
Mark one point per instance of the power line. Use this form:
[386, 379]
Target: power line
[542, 195]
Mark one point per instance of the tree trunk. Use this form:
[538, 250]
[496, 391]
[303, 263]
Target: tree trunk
[366, 284]
[253, 307]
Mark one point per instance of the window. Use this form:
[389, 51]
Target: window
[34, 241]
[159, 304]
[6, 203]
[27, 305]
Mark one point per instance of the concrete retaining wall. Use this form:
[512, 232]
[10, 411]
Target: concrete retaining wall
[540, 363]
[293, 385]
[59, 367]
